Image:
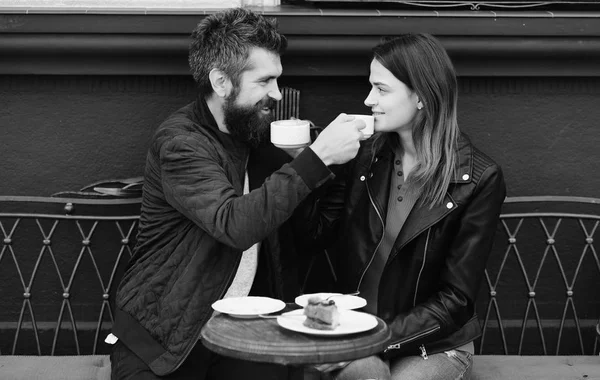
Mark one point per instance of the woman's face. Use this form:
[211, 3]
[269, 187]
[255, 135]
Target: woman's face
[393, 104]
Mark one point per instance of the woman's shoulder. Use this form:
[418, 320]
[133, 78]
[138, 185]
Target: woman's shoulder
[480, 161]
[477, 155]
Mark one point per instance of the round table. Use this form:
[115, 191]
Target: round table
[263, 340]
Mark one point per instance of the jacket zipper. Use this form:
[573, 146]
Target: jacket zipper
[422, 267]
[420, 335]
[362, 276]
[423, 352]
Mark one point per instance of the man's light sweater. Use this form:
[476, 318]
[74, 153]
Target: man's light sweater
[244, 277]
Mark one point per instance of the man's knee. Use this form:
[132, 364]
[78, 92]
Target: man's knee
[229, 368]
[126, 365]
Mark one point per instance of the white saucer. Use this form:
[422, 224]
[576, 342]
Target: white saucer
[248, 307]
[294, 146]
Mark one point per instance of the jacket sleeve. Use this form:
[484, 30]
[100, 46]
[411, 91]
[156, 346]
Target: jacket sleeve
[195, 182]
[319, 216]
[453, 304]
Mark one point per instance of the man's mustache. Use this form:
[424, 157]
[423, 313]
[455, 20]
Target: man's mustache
[267, 102]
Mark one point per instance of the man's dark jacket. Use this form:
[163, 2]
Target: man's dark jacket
[194, 226]
[432, 276]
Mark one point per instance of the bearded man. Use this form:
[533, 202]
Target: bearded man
[210, 225]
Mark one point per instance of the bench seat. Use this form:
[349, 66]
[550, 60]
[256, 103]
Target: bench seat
[82, 367]
[487, 367]
[513, 367]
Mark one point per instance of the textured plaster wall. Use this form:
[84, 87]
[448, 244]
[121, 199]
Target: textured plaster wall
[543, 131]
[60, 133]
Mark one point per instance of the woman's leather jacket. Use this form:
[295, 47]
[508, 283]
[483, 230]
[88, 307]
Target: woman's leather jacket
[432, 276]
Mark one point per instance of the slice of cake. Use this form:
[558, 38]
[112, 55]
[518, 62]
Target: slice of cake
[321, 314]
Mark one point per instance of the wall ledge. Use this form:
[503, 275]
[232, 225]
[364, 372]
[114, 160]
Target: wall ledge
[321, 42]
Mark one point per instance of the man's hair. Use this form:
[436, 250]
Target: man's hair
[421, 63]
[224, 40]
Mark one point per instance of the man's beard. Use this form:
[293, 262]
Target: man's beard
[247, 123]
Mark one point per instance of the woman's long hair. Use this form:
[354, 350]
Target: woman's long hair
[421, 63]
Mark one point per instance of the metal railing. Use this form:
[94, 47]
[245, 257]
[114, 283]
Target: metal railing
[61, 260]
[549, 249]
[44, 237]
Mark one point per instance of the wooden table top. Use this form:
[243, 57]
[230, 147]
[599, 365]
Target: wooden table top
[263, 340]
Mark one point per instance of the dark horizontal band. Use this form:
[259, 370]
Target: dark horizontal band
[510, 44]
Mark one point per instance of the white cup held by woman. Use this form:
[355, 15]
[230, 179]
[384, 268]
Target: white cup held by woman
[370, 124]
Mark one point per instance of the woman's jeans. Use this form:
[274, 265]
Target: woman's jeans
[449, 365]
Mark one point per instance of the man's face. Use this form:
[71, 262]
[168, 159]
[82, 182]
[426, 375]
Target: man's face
[248, 110]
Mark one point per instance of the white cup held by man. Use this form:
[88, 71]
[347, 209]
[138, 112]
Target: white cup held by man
[290, 134]
[369, 122]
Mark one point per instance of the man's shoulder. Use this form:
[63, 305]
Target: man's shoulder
[180, 120]
[181, 123]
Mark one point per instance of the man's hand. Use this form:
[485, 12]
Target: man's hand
[340, 141]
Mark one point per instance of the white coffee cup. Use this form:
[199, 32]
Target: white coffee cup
[370, 124]
[290, 134]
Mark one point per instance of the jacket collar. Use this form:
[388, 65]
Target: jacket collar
[463, 171]
[205, 119]
[421, 218]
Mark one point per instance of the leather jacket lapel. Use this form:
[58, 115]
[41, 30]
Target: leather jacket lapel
[422, 217]
[381, 167]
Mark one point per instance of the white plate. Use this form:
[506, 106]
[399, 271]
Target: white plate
[343, 302]
[248, 307]
[351, 322]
